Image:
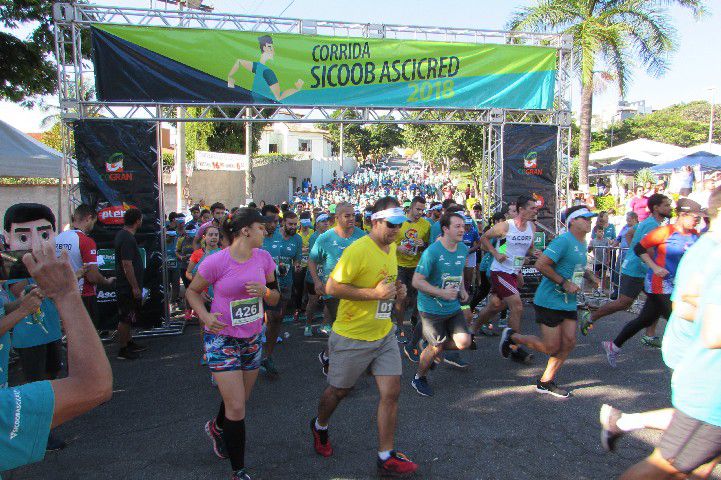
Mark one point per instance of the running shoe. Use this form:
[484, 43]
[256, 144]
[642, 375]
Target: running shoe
[489, 330]
[611, 352]
[473, 345]
[504, 346]
[308, 331]
[422, 387]
[203, 360]
[325, 362]
[136, 347]
[55, 443]
[552, 389]
[326, 329]
[521, 356]
[216, 436]
[653, 342]
[269, 366]
[397, 465]
[321, 442]
[454, 358]
[610, 433]
[127, 354]
[240, 475]
[401, 337]
[413, 354]
[584, 322]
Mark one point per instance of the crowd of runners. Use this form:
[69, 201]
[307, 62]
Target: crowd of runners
[385, 266]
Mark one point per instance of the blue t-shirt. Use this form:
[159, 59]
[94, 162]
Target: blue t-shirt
[695, 266]
[284, 253]
[37, 329]
[696, 381]
[610, 232]
[470, 237]
[170, 253]
[264, 78]
[633, 266]
[311, 242]
[4, 344]
[569, 256]
[441, 267]
[26, 413]
[435, 232]
[328, 248]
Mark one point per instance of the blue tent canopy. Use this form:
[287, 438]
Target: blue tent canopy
[625, 166]
[706, 160]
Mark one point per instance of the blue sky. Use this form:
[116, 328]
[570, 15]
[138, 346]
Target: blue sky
[694, 68]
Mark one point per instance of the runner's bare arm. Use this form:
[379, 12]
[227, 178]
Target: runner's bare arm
[711, 326]
[94, 276]
[545, 265]
[497, 231]
[383, 291]
[421, 284]
[275, 88]
[194, 295]
[27, 305]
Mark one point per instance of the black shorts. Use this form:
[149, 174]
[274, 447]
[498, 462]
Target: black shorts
[405, 275]
[553, 318]
[310, 288]
[285, 293]
[128, 307]
[91, 305]
[41, 361]
[629, 286]
[438, 329]
[689, 443]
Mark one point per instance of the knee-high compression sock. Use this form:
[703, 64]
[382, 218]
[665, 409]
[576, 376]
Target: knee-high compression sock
[234, 436]
[220, 419]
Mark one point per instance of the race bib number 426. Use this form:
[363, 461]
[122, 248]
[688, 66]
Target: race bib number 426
[385, 307]
[245, 311]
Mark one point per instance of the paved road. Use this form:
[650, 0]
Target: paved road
[484, 423]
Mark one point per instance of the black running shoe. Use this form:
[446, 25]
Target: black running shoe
[136, 347]
[325, 362]
[127, 354]
[504, 346]
[211, 429]
[552, 389]
[521, 356]
[610, 433]
[55, 443]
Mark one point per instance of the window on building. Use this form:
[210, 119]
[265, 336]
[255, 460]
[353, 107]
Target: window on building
[304, 145]
[272, 148]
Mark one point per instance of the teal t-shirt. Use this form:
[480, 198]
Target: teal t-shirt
[696, 381]
[328, 248]
[435, 232]
[698, 261]
[264, 78]
[4, 344]
[37, 329]
[26, 413]
[632, 265]
[569, 256]
[441, 267]
[284, 253]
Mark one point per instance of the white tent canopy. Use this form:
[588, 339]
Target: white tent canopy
[23, 156]
[640, 149]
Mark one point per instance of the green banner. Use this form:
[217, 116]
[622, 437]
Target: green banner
[297, 69]
[106, 259]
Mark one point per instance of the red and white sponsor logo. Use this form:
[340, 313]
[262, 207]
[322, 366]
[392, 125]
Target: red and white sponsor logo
[540, 201]
[113, 215]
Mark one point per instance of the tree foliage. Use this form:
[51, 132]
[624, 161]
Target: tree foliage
[684, 125]
[373, 140]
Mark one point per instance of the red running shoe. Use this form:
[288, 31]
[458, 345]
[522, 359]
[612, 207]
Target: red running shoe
[320, 440]
[398, 465]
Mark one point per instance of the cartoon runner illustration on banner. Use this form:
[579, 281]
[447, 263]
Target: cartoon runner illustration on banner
[265, 84]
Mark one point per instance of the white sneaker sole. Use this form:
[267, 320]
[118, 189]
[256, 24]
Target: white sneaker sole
[554, 394]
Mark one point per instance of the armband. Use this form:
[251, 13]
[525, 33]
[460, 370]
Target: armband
[272, 285]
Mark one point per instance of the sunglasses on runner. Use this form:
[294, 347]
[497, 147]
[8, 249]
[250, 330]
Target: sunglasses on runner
[393, 225]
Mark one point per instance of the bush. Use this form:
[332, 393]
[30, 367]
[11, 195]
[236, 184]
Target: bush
[605, 202]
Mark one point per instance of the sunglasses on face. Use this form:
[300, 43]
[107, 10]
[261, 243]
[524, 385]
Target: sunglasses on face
[392, 225]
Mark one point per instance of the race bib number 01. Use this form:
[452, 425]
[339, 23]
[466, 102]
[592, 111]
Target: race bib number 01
[245, 311]
[385, 307]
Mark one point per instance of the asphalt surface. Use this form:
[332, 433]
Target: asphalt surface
[483, 423]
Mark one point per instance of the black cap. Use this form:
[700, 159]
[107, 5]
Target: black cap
[245, 217]
[686, 205]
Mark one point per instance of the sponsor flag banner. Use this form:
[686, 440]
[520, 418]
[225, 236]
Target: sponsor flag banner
[150, 63]
[117, 169]
[233, 162]
[529, 167]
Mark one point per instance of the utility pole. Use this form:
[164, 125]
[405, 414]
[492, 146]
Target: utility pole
[180, 159]
[342, 152]
[249, 155]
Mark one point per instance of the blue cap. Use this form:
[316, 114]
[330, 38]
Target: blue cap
[306, 222]
[322, 218]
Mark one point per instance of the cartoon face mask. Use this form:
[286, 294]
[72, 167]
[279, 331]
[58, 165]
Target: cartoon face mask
[21, 234]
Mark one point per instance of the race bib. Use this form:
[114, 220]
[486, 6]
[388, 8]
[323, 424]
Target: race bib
[172, 263]
[304, 260]
[577, 277]
[385, 307]
[454, 282]
[518, 263]
[245, 311]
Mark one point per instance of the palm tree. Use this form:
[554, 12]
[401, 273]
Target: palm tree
[612, 33]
